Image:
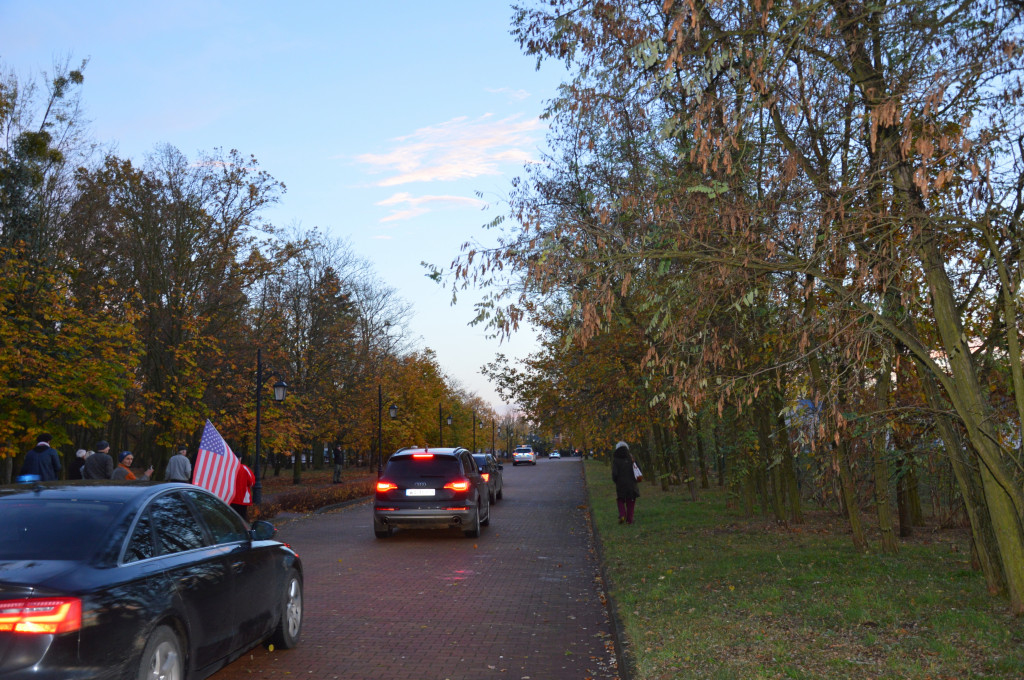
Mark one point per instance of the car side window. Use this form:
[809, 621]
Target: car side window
[141, 546]
[177, 528]
[469, 464]
[223, 522]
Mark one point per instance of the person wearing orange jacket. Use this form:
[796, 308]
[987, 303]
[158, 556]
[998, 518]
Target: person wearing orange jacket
[244, 479]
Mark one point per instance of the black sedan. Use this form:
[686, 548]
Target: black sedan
[137, 580]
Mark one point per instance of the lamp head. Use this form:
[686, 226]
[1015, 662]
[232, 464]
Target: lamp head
[280, 390]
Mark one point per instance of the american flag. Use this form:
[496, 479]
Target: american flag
[216, 464]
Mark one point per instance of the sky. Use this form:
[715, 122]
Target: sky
[395, 126]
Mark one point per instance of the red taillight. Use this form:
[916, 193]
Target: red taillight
[384, 486]
[458, 485]
[44, 615]
[486, 476]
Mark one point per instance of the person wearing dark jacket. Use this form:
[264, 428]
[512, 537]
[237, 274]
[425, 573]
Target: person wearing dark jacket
[99, 465]
[626, 488]
[43, 461]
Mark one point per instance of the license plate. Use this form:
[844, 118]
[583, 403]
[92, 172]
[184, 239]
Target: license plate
[419, 492]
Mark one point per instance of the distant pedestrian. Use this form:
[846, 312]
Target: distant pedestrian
[42, 460]
[244, 479]
[627, 490]
[99, 465]
[75, 470]
[179, 467]
[339, 461]
[124, 468]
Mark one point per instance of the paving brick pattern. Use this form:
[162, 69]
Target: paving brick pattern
[522, 602]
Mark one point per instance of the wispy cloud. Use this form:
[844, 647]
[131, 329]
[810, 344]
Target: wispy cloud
[405, 206]
[460, 148]
[518, 95]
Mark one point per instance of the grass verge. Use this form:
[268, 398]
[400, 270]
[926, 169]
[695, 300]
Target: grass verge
[703, 592]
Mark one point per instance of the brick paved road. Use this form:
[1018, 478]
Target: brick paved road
[522, 602]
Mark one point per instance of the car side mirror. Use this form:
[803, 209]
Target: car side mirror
[262, 530]
[500, 466]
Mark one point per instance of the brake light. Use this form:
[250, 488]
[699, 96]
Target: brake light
[422, 456]
[44, 615]
[458, 485]
[486, 476]
[384, 486]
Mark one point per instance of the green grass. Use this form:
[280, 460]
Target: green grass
[703, 592]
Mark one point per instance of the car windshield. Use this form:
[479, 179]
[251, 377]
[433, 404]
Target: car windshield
[46, 529]
[432, 466]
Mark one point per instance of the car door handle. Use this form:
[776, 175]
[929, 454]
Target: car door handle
[238, 567]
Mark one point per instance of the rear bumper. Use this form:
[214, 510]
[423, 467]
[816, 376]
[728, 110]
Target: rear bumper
[451, 515]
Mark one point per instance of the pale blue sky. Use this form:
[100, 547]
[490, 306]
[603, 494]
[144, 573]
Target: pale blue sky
[382, 118]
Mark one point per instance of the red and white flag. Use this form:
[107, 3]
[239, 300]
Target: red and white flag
[216, 465]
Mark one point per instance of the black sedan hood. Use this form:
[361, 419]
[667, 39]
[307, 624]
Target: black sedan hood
[20, 576]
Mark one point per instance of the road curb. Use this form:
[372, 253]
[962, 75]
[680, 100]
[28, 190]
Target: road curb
[344, 504]
[626, 663]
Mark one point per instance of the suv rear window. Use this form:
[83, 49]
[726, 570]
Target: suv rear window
[435, 466]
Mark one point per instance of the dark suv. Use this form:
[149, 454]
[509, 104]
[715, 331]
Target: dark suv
[433, 489]
[491, 469]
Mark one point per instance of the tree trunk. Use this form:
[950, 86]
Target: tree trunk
[969, 482]
[880, 453]
[683, 438]
[840, 451]
[787, 462]
[770, 457]
[1004, 498]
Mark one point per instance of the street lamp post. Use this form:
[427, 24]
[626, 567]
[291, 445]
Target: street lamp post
[440, 426]
[449, 421]
[280, 391]
[494, 451]
[474, 431]
[393, 412]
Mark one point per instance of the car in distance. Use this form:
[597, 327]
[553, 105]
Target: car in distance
[437, 488]
[490, 470]
[554, 454]
[103, 579]
[523, 455]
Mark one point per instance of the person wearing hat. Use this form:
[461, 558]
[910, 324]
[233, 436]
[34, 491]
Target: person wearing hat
[626, 488]
[124, 468]
[179, 467]
[99, 465]
[75, 469]
[43, 460]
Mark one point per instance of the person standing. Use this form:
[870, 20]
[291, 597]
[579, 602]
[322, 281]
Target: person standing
[75, 471]
[339, 462]
[124, 468]
[42, 460]
[244, 479]
[99, 465]
[627, 490]
[179, 467]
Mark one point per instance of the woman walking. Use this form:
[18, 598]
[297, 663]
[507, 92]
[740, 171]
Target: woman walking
[626, 488]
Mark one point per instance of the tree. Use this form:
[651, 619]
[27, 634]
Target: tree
[858, 157]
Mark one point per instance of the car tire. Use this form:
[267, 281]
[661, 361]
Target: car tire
[501, 492]
[289, 625]
[474, 529]
[162, 658]
[382, 530]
